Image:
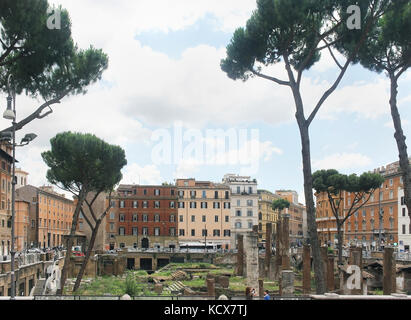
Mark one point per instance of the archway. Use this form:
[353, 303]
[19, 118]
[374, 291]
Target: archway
[144, 243]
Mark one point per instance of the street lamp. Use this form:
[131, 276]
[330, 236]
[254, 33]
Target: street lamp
[10, 138]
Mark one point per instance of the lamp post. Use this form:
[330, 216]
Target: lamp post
[10, 114]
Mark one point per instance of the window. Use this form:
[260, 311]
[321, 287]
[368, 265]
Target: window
[215, 194]
[381, 195]
[227, 218]
[156, 231]
[157, 218]
[216, 233]
[403, 229]
[33, 223]
[401, 180]
[227, 205]
[157, 204]
[402, 201]
[145, 217]
[172, 192]
[238, 225]
[172, 232]
[121, 204]
[238, 190]
[250, 190]
[180, 194]
[216, 205]
[145, 204]
[135, 204]
[249, 203]
[172, 218]
[203, 219]
[145, 231]
[111, 226]
[238, 202]
[227, 195]
[122, 218]
[204, 232]
[391, 194]
[215, 218]
[135, 217]
[145, 192]
[372, 212]
[238, 213]
[391, 182]
[181, 204]
[403, 212]
[250, 225]
[203, 205]
[204, 194]
[249, 213]
[193, 218]
[156, 192]
[227, 233]
[193, 232]
[391, 223]
[193, 205]
[364, 225]
[181, 218]
[181, 232]
[193, 194]
[121, 231]
[391, 210]
[172, 204]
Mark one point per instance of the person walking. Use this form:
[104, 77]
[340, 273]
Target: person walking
[266, 295]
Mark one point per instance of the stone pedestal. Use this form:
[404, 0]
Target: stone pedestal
[261, 287]
[210, 287]
[356, 259]
[158, 288]
[389, 284]
[306, 270]
[286, 283]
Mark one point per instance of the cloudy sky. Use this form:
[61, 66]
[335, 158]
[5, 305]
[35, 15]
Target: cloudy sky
[164, 86]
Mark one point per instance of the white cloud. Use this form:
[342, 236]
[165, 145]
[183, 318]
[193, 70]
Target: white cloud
[390, 124]
[136, 174]
[343, 161]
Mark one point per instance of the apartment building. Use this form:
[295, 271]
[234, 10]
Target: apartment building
[5, 206]
[50, 214]
[204, 213]
[244, 204]
[266, 214]
[142, 216]
[404, 225]
[383, 220]
[296, 212]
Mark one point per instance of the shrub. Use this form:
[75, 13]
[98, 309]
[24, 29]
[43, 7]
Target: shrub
[131, 285]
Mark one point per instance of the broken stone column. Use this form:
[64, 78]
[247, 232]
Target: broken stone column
[286, 283]
[210, 287]
[240, 255]
[158, 288]
[324, 259]
[278, 249]
[286, 242]
[267, 261]
[306, 269]
[389, 261]
[330, 274]
[356, 259]
[252, 268]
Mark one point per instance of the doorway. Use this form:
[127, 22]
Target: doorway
[145, 243]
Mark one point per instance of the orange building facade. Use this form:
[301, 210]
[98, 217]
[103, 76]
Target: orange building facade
[366, 226]
[5, 204]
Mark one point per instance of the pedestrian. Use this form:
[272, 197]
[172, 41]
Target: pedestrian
[248, 294]
[266, 295]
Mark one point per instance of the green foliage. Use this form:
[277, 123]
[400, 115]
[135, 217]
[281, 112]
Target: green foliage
[281, 28]
[131, 285]
[44, 62]
[79, 161]
[388, 46]
[333, 182]
[280, 204]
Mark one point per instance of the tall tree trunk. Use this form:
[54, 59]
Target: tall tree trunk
[340, 243]
[402, 147]
[87, 257]
[82, 196]
[309, 200]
